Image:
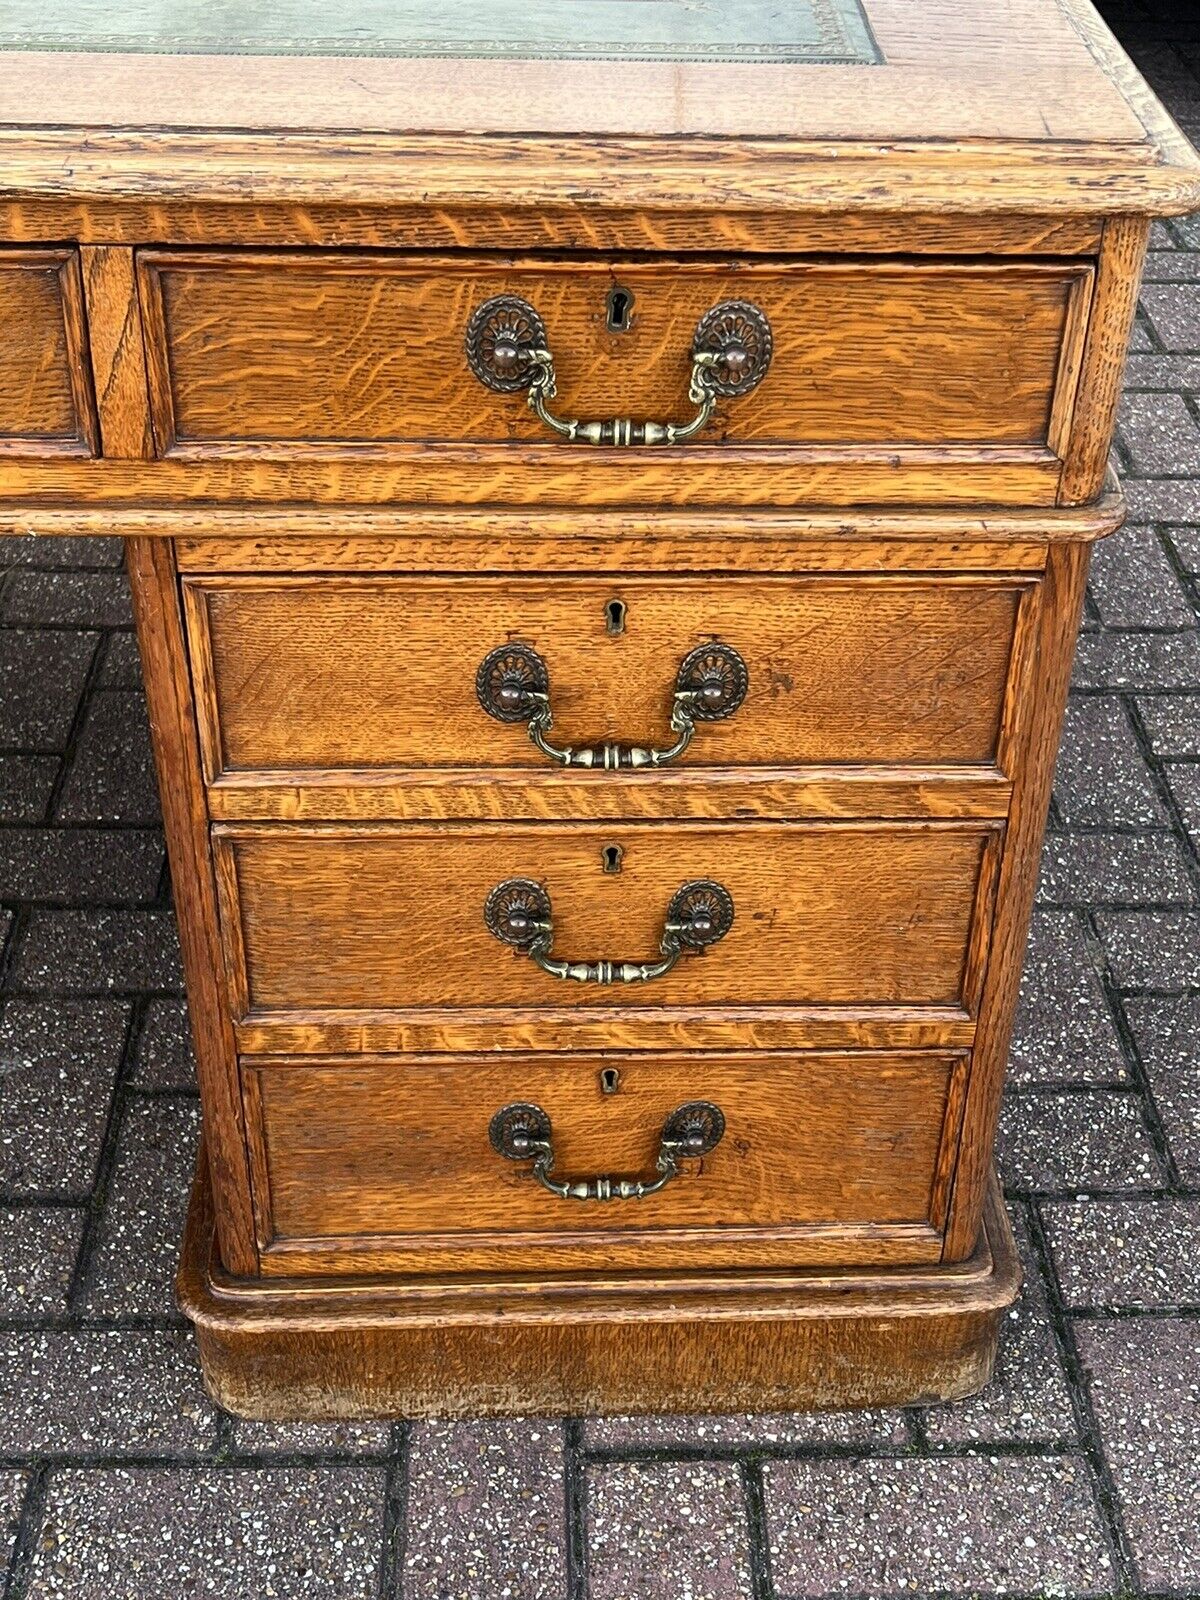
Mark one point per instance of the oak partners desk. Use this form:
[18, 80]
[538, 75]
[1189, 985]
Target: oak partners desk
[607, 490]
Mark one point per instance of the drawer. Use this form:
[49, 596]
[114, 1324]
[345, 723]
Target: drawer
[390, 1165]
[300, 676]
[45, 385]
[391, 918]
[364, 355]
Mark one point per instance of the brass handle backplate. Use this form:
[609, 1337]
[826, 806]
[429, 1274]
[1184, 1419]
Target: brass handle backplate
[522, 1132]
[518, 912]
[513, 685]
[508, 350]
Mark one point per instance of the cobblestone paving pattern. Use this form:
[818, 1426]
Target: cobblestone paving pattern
[1077, 1473]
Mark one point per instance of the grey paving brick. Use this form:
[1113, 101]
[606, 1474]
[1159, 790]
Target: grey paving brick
[1152, 949]
[1129, 869]
[1184, 781]
[1161, 436]
[1171, 266]
[659, 1530]
[1092, 1140]
[973, 1525]
[1101, 778]
[1172, 723]
[59, 1060]
[278, 1533]
[80, 864]
[1187, 231]
[136, 1252]
[121, 667]
[1163, 499]
[98, 950]
[1064, 1030]
[1144, 1378]
[116, 1391]
[865, 1428]
[34, 551]
[310, 1438]
[38, 1247]
[42, 674]
[1162, 370]
[1125, 1253]
[1134, 584]
[1174, 309]
[486, 1511]
[1186, 544]
[1141, 339]
[1028, 1398]
[13, 1486]
[74, 599]
[163, 1057]
[25, 785]
[1138, 661]
[1168, 1040]
[112, 773]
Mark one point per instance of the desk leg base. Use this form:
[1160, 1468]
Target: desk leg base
[308, 1350]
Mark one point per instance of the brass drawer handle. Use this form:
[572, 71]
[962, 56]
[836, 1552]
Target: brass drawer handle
[508, 350]
[522, 1132]
[513, 685]
[518, 912]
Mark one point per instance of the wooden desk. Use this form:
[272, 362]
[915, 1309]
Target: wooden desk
[608, 492]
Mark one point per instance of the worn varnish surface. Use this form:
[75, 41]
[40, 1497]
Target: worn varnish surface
[824, 1158]
[317, 674]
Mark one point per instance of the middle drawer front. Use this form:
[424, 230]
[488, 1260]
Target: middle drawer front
[391, 919]
[303, 676]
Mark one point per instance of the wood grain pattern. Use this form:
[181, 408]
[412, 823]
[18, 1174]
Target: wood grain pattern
[284, 353]
[1115, 307]
[118, 358]
[177, 759]
[376, 918]
[298, 675]
[751, 1341]
[386, 1166]
[45, 396]
[1066, 576]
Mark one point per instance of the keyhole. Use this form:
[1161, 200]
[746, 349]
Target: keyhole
[614, 616]
[610, 1080]
[620, 306]
[611, 857]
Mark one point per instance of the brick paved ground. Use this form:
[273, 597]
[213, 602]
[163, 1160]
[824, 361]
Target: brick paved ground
[1077, 1473]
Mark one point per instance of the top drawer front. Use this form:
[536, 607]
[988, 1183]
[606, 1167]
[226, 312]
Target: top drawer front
[286, 356]
[45, 393]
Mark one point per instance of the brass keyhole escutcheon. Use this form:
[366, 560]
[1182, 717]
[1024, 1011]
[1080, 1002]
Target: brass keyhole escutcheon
[615, 613]
[611, 857]
[620, 309]
[610, 1080]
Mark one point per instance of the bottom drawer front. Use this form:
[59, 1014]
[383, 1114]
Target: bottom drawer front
[387, 1165]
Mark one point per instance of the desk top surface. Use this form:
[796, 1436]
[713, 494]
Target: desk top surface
[1009, 81]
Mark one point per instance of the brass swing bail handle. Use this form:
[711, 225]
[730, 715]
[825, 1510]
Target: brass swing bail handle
[508, 350]
[513, 685]
[518, 913]
[522, 1132]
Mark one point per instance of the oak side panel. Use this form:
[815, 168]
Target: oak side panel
[168, 693]
[1066, 576]
[117, 352]
[1114, 306]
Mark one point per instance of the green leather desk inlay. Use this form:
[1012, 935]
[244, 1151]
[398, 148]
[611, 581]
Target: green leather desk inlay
[801, 31]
